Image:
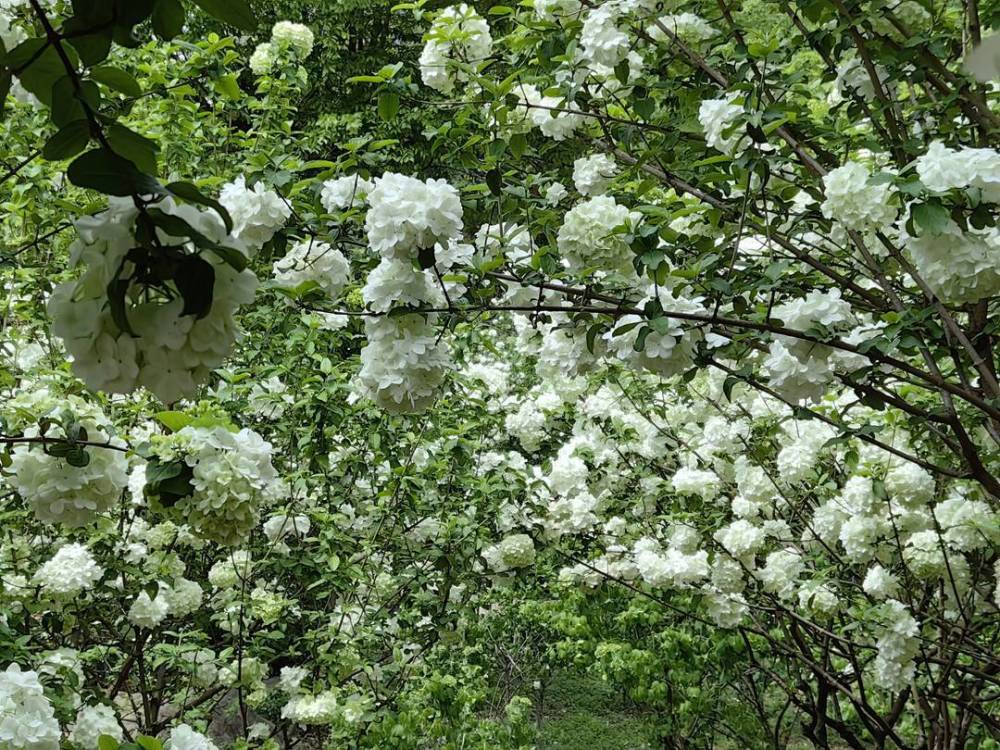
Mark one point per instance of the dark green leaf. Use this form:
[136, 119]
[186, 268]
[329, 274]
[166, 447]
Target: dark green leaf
[109, 173]
[70, 103]
[68, 142]
[494, 181]
[388, 105]
[234, 12]
[138, 149]
[189, 192]
[117, 79]
[168, 18]
[116, 301]
[425, 257]
[195, 280]
[931, 217]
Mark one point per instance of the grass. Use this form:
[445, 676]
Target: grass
[582, 713]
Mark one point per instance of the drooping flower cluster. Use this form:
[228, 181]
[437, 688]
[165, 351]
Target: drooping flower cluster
[125, 330]
[27, 719]
[313, 262]
[415, 226]
[458, 37]
[231, 479]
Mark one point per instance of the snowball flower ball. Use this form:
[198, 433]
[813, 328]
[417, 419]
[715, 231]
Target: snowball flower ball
[592, 174]
[316, 262]
[295, 35]
[70, 572]
[91, 723]
[27, 719]
[183, 737]
[407, 214]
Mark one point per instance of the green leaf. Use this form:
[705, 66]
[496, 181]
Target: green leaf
[231, 257]
[148, 743]
[931, 217]
[168, 18]
[107, 742]
[494, 181]
[175, 421]
[518, 145]
[69, 103]
[116, 301]
[195, 280]
[228, 87]
[388, 105]
[188, 191]
[107, 172]
[425, 257]
[138, 149]
[117, 79]
[234, 12]
[68, 142]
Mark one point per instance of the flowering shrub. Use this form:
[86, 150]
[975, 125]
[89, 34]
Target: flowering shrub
[377, 423]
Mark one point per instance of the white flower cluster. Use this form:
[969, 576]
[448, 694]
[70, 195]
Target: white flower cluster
[601, 40]
[27, 719]
[556, 10]
[232, 478]
[942, 169]
[514, 551]
[59, 492]
[675, 567]
[183, 737]
[91, 723]
[295, 35]
[799, 369]
[148, 612]
[403, 363]
[593, 174]
[512, 241]
[407, 214]
[171, 352]
[257, 212]
[688, 26]
[68, 573]
[669, 345]
[556, 117]
[853, 80]
[587, 238]
[897, 646]
[855, 201]
[344, 192]
[458, 36]
[314, 262]
[286, 36]
[718, 118]
[281, 527]
[959, 266]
